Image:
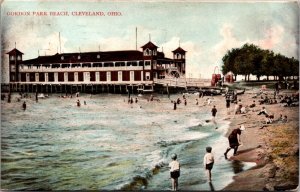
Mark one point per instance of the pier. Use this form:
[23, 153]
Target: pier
[159, 85]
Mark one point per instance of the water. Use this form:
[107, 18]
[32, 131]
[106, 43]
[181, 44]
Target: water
[109, 144]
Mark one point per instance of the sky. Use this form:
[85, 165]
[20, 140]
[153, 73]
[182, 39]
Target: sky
[206, 30]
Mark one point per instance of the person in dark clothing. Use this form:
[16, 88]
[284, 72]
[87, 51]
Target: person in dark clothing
[78, 103]
[228, 103]
[234, 140]
[36, 97]
[214, 112]
[175, 105]
[24, 106]
[9, 98]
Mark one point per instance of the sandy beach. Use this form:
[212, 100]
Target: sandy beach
[273, 147]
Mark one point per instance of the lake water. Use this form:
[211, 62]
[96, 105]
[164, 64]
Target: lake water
[109, 144]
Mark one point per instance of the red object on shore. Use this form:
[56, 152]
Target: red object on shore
[229, 77]
[215, 77]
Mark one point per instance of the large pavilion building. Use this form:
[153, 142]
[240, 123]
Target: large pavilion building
[94, 71]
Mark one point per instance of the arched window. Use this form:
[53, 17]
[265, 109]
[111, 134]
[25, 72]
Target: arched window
[12, 57]
[78, 57]
[98, 56]
[62, 58]
[147, 52]
[19, 57]
[177, 56]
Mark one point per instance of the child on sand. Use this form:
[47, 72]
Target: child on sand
[174, 172]
[208, 162]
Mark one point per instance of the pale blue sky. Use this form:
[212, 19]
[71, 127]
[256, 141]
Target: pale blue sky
[206, 30]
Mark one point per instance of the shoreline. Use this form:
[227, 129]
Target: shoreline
[258, 146]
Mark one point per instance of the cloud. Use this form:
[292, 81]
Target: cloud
[228, 42]
[273, 37]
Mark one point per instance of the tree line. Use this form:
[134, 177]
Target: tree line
[252, 60]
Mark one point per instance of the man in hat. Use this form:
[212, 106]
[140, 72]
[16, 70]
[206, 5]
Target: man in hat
[234, 140]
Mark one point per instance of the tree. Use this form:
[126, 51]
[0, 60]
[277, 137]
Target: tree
[250, 59]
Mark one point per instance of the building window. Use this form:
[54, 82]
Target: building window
[19, 57]
[13, 68]
[147, 52]
[12, 57]
[147, 63]
[108, 64]
[78, 57]
[147, 75]
[62, 58]
[177, 56]
[141, 63]
[98, 56]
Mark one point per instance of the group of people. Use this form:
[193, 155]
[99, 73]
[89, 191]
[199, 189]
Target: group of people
[208, 162]
[290, 100]
[270, 118]
[267, 100]
[208, 159]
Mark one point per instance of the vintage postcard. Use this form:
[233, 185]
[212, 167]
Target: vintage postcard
[149, 95]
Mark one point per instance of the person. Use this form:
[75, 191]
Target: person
[277, 87]
[185, 102]
[84, 102]
[268, 119]
[175, 105]
[234, 140]
[263, 111]
[228, 103]
[36, 97]
[136, 100]
[208, 162]
[236, 108]
[151, 97]
[9, 98]
[174, 171]
[214, 112]
[78, 103]
[284, 120]
[253, 104]
[197, 102]
[280, 118]
[208, 100]
[24, 105]
[244, 109]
